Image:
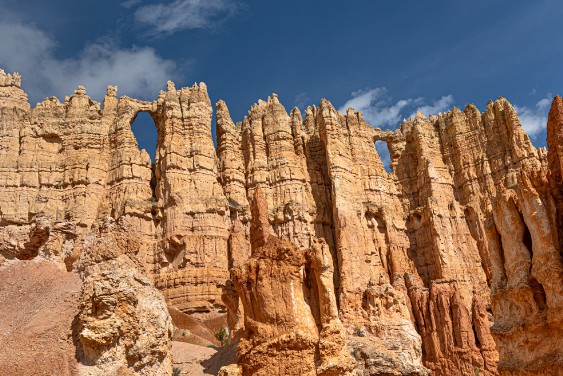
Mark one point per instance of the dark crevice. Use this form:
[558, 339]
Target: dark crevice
[477, 341]
[153, 181]
[504, 278]
[537, 288]
[311, 295]
[527, 240]
[317, 163]
[454, 320]
[539, 293]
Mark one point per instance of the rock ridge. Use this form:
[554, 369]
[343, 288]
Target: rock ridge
[451, 263]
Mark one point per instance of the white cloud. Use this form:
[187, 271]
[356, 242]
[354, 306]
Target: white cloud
[168, 18]
[381, 111]
[138, 71]
[441, 105]
[376, 107]
[534, 120]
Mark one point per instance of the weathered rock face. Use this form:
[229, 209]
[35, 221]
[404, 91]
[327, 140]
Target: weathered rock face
[193, 253]
[66, 166]
[528, 309]
[451, 263]
[290, 313]
[123, 324]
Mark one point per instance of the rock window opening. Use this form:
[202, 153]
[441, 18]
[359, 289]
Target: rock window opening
[145, 132]
[383, 151]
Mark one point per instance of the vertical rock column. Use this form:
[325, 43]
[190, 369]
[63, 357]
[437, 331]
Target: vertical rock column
[555, 161]
[308, 141]
[233, 179]
[528, 322]
[371, 246]
[275, 164]
[464, 143]
[446, 257]
[194, 254]
[14, 115]
[286, 158]
[365, 208]
[129, 197]
[443, 241]
[15, 195]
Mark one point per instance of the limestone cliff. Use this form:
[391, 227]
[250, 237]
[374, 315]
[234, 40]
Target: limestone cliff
[451, 263]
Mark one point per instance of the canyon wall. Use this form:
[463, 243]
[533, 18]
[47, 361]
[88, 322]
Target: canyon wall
[451, 263]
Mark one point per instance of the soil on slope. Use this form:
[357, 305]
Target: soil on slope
[38, 303]
[194, 360]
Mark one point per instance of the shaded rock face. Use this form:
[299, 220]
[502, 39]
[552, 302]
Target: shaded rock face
[451, 263]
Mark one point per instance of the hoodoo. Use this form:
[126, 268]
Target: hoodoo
[324, 262]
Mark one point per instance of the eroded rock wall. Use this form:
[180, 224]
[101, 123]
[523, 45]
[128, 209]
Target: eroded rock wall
[66, 166]
[290, 313]
[449, 263]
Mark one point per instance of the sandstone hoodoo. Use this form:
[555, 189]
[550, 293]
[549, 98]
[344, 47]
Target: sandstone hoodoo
[290, 313]
[316, 259]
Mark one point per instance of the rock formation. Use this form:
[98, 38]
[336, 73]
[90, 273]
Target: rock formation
[123, 326]
[290, 314]
[450, 263]
[123, 322]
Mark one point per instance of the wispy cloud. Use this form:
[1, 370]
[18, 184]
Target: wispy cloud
[376, 106]
[138, 71]
[381, 111]
[167, 18]
[130, 3]
[534, 120]
[301, 100]
[440, 105]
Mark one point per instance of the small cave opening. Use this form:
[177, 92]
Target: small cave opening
[384, 154]
[145, 132]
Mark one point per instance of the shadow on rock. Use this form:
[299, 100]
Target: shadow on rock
[223, 357]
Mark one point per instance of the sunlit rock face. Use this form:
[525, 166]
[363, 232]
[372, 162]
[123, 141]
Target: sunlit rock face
[449, 264]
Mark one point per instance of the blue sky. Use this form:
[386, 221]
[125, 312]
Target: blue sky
[386, 58]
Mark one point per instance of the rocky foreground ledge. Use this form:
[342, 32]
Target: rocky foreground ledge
[290, 233]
